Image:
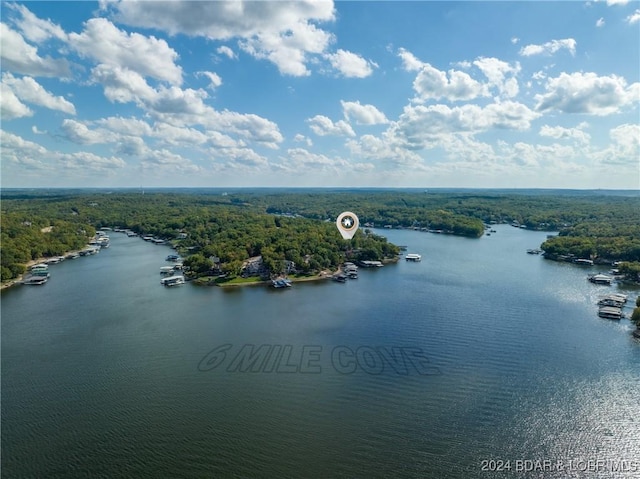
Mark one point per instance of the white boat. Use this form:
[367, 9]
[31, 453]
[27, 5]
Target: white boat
[281, 283]
[600, 279]
[618, 296]
[166, 269]
[172, 280]
[413, 257]
[583, 261]
[36, 280]
[610, 312]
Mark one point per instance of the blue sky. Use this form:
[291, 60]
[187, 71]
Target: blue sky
[274, 93]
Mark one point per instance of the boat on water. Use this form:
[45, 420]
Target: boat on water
[36, 280]
[611, 302]
[173, 257]
[352, 274]
[600, 279]
[583, 261]
[415, 257]
[610, 312]
[172, 280]
[339, 278]
[371, 264]
[166, 270]
[72, 256]
[281, 283]
[619, 296]
[534, 251]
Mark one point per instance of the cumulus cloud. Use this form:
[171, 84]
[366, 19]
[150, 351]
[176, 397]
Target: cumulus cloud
[214, 79]
[323, 126]
[409, 62]
[20, 57]
[300, 138]
[587, 93]
[559, 132]
[633, 18]
[549, 48]
[285, 33]
[78, 133]
[10, 106]
[226, 51]
[626, 140]
[24, 154]
[500, 74]
[36, 29]
[362, 114]
[600, 22]
[350, 65]
[103, 42]
[454, 85]
[30, 91]
[422, 126]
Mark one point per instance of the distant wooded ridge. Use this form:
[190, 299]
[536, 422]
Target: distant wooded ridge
[296, 225]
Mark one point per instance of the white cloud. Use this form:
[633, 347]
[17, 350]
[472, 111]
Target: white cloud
[514, 40]
[214, 79]
[422, 126]
[300, 138]
[26, 155]
[550, 47]
[36, 29]
[600, 22]
[323, 126]
[284, 33]
[30, 91]
[362, 114]
[79, 133]
[10, 106]
[125, 126]
[431, 83]
[350, 64]
[226, 51]
[500, 74]
[587, 93]
[18, 56]
[559, 132]
[617, 2]
[409, 62]
[385, 150]
[628, 137]
[633, 18]
[103, 42]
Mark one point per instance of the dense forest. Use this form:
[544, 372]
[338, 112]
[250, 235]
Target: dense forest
[220, 232]
[297, 226]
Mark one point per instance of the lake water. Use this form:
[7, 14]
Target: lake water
[480, 357]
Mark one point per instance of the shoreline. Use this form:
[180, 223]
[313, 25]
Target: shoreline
[323, 275]
[19, 280]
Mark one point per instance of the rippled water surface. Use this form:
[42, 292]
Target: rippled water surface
[478, 353]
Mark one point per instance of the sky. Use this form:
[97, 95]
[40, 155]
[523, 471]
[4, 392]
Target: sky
[321, 94]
